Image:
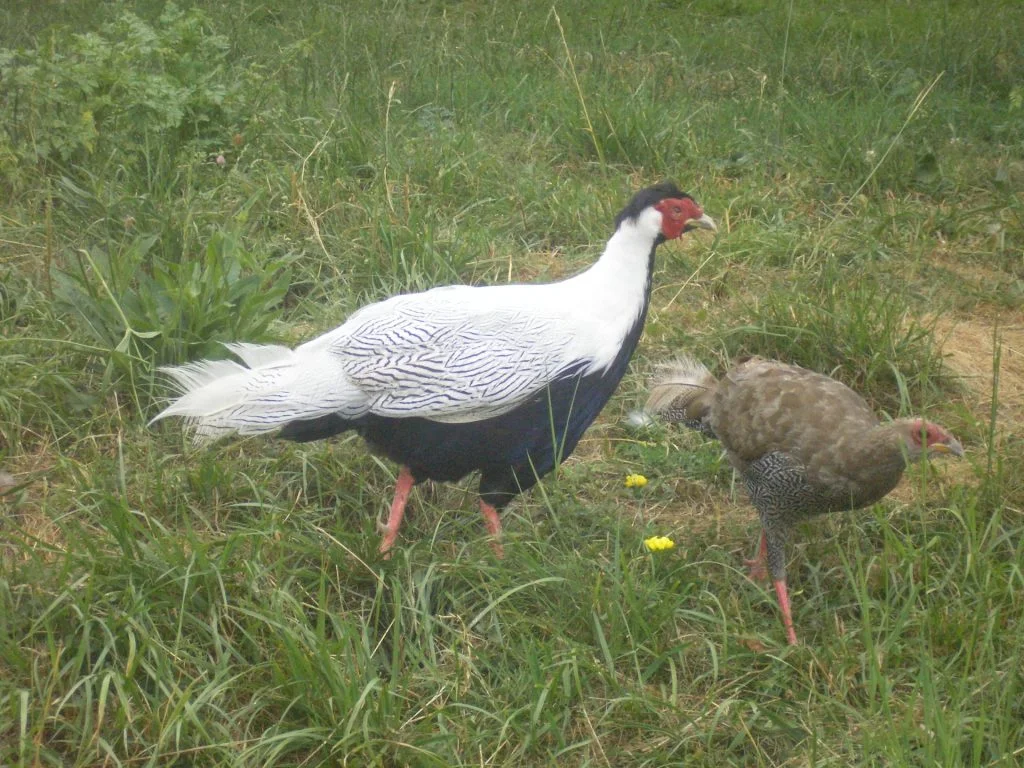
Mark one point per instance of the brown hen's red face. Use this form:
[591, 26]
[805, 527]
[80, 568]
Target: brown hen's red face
[936, 439]
[676, 213]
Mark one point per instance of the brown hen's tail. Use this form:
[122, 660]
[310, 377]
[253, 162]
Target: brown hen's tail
[683, 392]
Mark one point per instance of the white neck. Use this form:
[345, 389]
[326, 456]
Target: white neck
[623, 266]
[608, 299]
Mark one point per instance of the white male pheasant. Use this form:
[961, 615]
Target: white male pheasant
[501, 379]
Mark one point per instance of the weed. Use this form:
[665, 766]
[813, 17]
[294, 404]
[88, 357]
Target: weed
[100, 92]
[145, 310]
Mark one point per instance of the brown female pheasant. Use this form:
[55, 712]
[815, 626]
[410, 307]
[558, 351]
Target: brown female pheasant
[804, 443]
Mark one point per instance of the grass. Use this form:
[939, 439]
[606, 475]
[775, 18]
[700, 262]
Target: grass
[166, 606]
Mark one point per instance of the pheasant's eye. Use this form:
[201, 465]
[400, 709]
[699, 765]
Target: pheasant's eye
[676, 209]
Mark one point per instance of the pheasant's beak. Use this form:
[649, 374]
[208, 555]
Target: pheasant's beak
[953, 447]
[704, 222]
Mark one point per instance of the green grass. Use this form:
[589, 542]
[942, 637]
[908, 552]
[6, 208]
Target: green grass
[166, 606]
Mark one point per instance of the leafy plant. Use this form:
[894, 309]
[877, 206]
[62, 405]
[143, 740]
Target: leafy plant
[144, 308]
[104, 91]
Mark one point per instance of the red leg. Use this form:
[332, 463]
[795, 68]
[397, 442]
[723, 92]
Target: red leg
[787, 616]
[758, 566]
[402, 488]
[493, 523]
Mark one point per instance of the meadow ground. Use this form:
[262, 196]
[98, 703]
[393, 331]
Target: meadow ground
[174, 177]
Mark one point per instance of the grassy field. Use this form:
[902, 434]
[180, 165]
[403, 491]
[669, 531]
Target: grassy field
[172, 178]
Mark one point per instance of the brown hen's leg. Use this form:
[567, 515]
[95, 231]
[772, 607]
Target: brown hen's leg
[759, 565]
[493, 523]
[787, 616]
[403, 486]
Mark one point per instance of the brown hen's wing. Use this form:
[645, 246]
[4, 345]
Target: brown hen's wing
[762, 406]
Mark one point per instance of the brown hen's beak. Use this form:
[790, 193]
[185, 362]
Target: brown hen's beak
[704, 222]
[953, 447]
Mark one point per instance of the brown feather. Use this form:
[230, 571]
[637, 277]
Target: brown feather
[682, 392]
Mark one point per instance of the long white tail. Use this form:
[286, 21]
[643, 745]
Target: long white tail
[276, 386]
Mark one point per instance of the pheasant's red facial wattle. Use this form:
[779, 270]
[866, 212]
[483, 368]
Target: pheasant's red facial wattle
[676, 213]
[935, 439]
[940, 441]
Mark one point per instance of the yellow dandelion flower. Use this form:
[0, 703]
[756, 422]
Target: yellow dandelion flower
[658, 543]
[635, 481]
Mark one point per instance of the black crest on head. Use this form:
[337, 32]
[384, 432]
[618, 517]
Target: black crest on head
[645, 198]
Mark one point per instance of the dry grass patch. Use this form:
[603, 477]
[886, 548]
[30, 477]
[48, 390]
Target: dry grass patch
[969, 348]
[26, 488]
